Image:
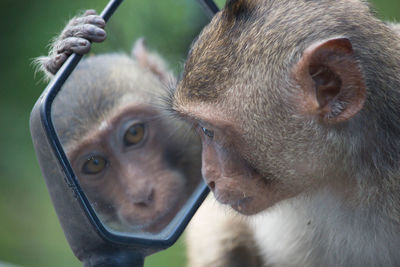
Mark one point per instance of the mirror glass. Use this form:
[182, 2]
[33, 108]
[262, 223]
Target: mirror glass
[137, 165]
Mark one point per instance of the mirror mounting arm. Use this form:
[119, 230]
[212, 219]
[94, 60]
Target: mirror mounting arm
[115, 258]
[209, 7]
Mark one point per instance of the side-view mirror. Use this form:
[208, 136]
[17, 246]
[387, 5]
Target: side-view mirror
[124, 177]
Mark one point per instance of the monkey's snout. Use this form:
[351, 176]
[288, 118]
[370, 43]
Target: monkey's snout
[144, 198]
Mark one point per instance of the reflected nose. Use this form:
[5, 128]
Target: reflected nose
[142, 196]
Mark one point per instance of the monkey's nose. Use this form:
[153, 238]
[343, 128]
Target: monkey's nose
[210, 174]
[144, 197]
[211, 185]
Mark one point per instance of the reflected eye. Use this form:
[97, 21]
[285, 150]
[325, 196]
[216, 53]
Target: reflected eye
[134, 134]
[207, 132]
[94, 165]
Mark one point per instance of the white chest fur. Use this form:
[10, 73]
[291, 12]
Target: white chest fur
[319, 230]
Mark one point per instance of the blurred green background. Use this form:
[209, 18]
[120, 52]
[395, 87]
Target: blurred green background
[29, 231]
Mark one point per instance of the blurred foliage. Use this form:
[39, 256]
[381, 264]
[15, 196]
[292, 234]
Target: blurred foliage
[29, 231]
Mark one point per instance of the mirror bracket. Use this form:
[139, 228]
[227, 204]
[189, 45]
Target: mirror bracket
[89, 240]
[115, 258]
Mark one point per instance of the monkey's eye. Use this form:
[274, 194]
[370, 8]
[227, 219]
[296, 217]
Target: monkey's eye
[94, 165]
[207, 132]
[134, 134]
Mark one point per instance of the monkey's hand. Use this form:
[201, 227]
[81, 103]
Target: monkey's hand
[75, 38]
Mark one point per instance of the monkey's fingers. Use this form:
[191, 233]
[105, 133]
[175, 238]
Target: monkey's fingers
[95, 20]
[86, 31]
[53, 64]
[73, 45]
[90, 12]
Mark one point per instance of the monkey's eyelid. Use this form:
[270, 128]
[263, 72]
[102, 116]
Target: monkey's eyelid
[207, 132]
[184, 116]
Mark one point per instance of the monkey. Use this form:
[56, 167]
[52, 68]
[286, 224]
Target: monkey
[76, 37]
[218, 237]
[395, 27]
[296, 103]
[136, 165]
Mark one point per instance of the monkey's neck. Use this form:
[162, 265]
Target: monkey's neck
[324, 230]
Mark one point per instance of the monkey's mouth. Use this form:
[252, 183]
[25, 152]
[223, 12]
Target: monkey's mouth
[237, 200]
[247, 195]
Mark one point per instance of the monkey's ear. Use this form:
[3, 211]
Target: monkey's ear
[331, 81]
[151, 61]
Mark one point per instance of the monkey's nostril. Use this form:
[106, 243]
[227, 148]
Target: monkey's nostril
[211, 185]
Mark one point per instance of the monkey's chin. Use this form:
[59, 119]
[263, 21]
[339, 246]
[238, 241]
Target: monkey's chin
[247, 198]
[238, 202]
[245, 207]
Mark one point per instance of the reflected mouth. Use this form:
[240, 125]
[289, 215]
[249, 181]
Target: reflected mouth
[152, 224]
[149, 219]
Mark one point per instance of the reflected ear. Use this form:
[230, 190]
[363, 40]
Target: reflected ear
[139, 50]
[151, 61]
[331, 82]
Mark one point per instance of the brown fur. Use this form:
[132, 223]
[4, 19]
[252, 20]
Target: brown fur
[341, 175]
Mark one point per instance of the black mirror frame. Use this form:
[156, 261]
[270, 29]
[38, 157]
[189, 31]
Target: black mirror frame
[90, 241]
[209, 6]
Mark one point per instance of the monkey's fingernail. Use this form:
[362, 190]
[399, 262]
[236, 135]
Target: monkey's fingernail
[90, 12]
[99, 21]
[100, 33]
[83, 43]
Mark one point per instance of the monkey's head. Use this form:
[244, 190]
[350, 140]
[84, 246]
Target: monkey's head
[280, 93]
[136, 165]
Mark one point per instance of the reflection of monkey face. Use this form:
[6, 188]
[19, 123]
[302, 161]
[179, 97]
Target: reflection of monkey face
[136, 166]
[126, 167]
